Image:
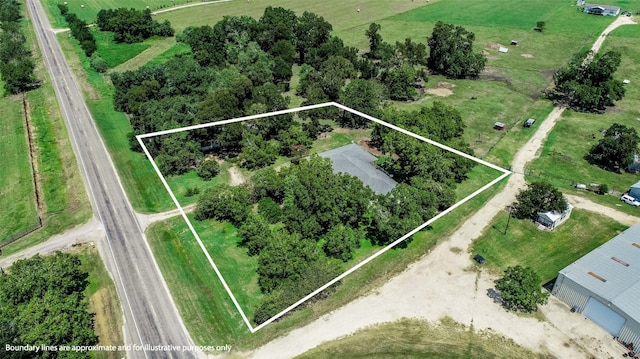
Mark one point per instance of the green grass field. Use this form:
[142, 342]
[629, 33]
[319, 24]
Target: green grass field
[115, 54]
[208, 311]
[65, 200]
[415, 338]
[562, 160]
[87, 10]
[16, 180]
[546, 252]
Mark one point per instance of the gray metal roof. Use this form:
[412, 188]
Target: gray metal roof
[617, 262]
[354, 160]
[606, 7]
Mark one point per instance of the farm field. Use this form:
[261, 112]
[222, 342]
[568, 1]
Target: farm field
[208, 311]
[65, 202]
[546, 252]
[87, 10]
[16, 180]
[562, 160]
[415, 338]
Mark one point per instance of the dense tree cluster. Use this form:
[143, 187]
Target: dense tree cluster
[16, 63]
[413, 157]
[79, 30]
[538, 197]
[42, 301]
[451, 52]
[617, 149]
[588, 85]
[520, 289]
[131, 25]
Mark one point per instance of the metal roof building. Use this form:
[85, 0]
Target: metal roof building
[604, 286]
[354, 160]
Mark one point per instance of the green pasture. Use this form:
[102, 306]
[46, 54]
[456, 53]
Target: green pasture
[180, 184]
[16, 180]
[63, 192]
[88, 10]
[562, 160]
[546, 252]
[417, 338]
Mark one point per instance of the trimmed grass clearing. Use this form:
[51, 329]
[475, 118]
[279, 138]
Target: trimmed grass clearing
[103, 301]
[209, 313]
[545, 252]
[115, 54]
[415, 338]
[153, 48]
[16, 179]
[63, 192]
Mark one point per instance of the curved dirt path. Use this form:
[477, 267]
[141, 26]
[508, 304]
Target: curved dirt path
[236, 177]
[187, 5]
[444, 283]
[618, 216]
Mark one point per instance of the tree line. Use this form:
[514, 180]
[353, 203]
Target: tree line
[131, 25]
[42, 301]
[16, 61]
[79, 30]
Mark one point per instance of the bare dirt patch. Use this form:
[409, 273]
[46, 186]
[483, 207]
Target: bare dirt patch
[444, 89]
[236, 177]
[365, 144]
[494, 45]
[440, 92]
[528, 56]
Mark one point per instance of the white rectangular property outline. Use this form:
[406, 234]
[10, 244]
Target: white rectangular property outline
[504, 174]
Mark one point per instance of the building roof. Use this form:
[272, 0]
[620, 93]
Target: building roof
[354, 160]
[612, 271]
[636, 185]
[604, 7]
[555, 215]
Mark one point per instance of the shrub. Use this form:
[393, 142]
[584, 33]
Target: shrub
[98, 63]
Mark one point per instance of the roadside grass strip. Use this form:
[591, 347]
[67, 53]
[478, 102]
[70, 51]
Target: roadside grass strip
[504, 173]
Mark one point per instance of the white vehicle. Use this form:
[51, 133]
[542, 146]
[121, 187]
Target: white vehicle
[630, 200]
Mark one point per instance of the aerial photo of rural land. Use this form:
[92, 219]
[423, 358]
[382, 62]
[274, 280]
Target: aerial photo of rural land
[275, 179]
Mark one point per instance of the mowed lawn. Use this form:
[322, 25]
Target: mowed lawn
[562, 161]
[421, 339]
[546, 252]
[16, 180]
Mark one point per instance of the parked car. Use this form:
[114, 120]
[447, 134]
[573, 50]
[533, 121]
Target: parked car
[478, 258]
[629, 200]
[529, 122]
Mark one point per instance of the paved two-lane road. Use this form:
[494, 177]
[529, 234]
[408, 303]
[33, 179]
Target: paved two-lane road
[151, 317]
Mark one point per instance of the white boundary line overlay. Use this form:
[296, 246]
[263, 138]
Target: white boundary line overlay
[505, 173]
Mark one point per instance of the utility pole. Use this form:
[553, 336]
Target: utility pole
[508, 219]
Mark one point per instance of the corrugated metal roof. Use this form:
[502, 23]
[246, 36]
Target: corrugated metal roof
[354, 160]
[617, 263]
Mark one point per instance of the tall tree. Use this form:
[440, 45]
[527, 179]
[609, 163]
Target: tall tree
[312, 31]
[538, 197]
[520, 289]
[375, 39]
[451, 52]
[617, 149]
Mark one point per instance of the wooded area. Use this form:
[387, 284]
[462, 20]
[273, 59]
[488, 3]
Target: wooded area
[16, 63]
[309, 221]
[42, 302]
[131, 25]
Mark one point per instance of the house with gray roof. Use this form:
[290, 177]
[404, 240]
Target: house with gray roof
[355, 161]
[596, 9]
[604, 285]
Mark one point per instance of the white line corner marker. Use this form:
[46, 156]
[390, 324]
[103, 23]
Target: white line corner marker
[253, 329]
